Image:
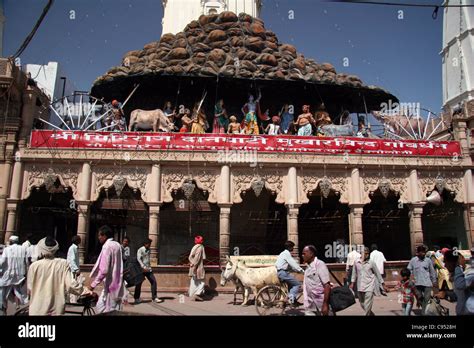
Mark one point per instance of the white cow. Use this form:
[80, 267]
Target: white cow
[253, 278]
[155, 119]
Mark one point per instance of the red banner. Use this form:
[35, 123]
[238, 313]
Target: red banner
[223, 142]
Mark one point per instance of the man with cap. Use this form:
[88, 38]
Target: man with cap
[13, 266]
[196, 269]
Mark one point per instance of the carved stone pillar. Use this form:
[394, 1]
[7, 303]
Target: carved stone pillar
[5, 169]
[356, 232]
[12, 202]
[292, 227]
[224, 192]
[292, 186]
[416, 227]
[83, 216]
[154, 232]
[469, 223]
[460, 128]
[12, 208]
[414, 193]
[224, 232]
[355, 185]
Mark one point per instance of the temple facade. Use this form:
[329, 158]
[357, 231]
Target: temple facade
[250, 208]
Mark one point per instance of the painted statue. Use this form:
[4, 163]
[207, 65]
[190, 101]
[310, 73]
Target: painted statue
[234, 126]
[274, 127]
[287, 118]
[221, 122]
[304, 122]
[200, 124]
[154, 119]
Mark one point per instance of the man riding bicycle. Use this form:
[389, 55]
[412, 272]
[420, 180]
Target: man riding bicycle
[285, 264]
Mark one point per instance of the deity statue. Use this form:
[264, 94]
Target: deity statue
[252, 113]
[234, 126]
[200, 124]
[221, 122]
[287, 118]
[274, 127]
[116, 121]
[304, 122]
[169, 111]
[186, 121]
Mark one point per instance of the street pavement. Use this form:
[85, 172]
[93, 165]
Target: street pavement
[174, 304]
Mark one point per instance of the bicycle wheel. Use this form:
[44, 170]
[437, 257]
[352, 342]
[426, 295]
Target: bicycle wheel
[88, 311]
[270, 300]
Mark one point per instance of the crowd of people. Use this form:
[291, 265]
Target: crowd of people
[251, 122]
[33, 275]
[365, 276]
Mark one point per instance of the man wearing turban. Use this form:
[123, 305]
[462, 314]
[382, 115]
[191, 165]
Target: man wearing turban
[196, 269]
[50, 280]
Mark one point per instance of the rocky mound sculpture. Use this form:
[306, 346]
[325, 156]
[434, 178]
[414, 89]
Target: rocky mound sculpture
[229, 46]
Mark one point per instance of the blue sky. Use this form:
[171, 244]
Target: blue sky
[400, 55]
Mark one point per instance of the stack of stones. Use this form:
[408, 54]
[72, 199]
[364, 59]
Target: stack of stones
[230, 46]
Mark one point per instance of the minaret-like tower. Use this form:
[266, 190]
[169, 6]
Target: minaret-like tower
[458, 54]
[178, 13]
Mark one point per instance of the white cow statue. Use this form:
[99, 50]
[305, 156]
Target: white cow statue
[154, 119]
[250, 278]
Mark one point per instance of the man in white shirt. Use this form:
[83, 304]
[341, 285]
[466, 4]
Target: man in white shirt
[352, 258]
[27, 243]
[143, 258]
[73, 256]
[285, 264]
[13, 267]
[378, 258]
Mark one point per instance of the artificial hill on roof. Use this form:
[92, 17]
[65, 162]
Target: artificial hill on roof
[227, 46]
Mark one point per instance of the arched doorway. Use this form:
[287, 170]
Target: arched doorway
[126, 213]
[323, 222]
[181, 220]
[49, 212]
[258, 225]
[443, 224]
[385, 222]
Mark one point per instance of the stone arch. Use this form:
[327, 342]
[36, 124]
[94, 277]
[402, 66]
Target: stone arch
[106, 177]
[310, 181]
[427, 183]
[242, 181]
[397, 184]
[172, 179]
[42, 175]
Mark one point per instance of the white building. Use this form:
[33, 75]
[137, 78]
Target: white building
[458, 53]
[178, 13]
[51, 79]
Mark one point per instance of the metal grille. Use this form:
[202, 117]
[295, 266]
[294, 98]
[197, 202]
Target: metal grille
[3, 67]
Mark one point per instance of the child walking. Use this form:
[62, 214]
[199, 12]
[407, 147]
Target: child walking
[407, 292]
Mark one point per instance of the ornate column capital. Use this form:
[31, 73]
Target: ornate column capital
[225, 209]
[12, 203]
[357, 208]
[154, 208]
[417, 207]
